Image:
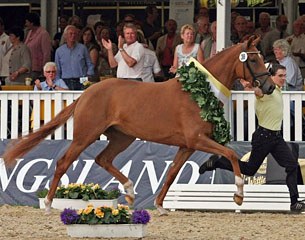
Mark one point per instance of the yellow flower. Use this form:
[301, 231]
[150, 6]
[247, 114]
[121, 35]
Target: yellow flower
[96, 186]
[88, 209]
[115, 212]
[121, 206]
[99, 213]
[80, 211]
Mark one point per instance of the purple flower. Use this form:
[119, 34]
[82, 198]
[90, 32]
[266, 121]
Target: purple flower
[69, 216]
[140, 217]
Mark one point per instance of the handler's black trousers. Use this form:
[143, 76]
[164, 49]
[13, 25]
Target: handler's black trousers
[265, 141]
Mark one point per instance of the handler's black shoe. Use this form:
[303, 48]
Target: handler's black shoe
[209, 165]
[298, 207]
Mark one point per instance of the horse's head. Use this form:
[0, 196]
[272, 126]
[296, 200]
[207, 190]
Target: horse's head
[251, 66]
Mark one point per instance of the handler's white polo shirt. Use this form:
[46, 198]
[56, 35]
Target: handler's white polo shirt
[136, 51]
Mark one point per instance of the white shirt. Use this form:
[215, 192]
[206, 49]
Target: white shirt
[136, 51]
[151, 66]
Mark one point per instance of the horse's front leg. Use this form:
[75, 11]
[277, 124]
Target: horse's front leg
[210, 146]
[181, 157]
[239, 195]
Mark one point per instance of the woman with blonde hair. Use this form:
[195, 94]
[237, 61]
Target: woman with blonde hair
[187, 49]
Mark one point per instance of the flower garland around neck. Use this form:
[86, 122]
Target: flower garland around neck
[194, 81]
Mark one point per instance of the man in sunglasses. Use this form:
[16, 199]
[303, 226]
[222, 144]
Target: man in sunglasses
[50, 84]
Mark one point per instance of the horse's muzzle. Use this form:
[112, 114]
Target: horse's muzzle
[270, 89]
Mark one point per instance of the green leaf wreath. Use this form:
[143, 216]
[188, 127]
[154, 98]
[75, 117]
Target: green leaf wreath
[194, 81]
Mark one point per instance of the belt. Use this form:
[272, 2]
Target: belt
[273, 132]
[137, 79]
[71, 79]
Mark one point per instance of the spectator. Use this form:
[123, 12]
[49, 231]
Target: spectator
[130, 58]
[5, 51]
[297, 44]
[203, 11]
[98, 26]
[151, 69]
[151, 28]
[294, 79]
[104, 67]
[89, 40]
[51, 83]
[73, 60]
[187, 49]
[202, 29]
[166, 46]
[278, 33]
[233, 17]
[129, 18]
[208, 45]
[240, 34]
[76, 21]
[63, 22]
[264, 24]
[250, 27]
[20, 58]
[39, 42]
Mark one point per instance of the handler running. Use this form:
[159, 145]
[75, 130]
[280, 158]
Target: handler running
[267, 139]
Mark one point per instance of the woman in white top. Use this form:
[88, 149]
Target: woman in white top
[187, 49]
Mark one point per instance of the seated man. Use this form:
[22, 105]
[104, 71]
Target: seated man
[49, 71]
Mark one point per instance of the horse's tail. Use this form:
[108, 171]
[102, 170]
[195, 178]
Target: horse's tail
[24, 144]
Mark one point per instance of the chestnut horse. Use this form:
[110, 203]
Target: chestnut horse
[159, 112]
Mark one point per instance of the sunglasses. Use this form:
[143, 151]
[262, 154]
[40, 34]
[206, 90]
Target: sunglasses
[50, 71]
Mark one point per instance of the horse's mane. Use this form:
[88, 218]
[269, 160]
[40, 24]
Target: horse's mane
[223, 52]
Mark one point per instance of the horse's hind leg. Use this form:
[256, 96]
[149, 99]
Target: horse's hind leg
[181, 157]
[62, 166]
[118, 142]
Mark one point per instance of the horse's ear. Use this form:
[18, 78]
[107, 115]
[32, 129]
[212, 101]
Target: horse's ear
[253, 40]
[256, 40]
[250, 40]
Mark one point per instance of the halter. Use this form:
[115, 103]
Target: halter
[243, 57]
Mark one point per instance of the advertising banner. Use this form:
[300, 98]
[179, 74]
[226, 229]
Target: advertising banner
[145, 163]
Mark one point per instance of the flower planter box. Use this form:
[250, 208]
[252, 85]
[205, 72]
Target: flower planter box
[107, 230]
[62, 203]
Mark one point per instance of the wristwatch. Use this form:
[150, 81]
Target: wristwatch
[121, 49]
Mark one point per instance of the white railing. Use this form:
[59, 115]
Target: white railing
[243, 122]
[23, 111]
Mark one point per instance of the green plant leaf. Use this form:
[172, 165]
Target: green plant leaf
[194, 82]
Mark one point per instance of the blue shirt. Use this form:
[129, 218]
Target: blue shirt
[57, 82]
[73, 62]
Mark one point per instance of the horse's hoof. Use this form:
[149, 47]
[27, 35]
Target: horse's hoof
[161, 210]
[129, 199]
[47, 211]
[238, 199]
[47, 204]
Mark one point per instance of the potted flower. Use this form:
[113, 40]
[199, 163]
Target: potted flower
[77, 195]
[105, 221]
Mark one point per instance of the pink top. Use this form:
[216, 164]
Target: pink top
[39, 44]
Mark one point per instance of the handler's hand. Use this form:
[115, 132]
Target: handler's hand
[258, 92]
